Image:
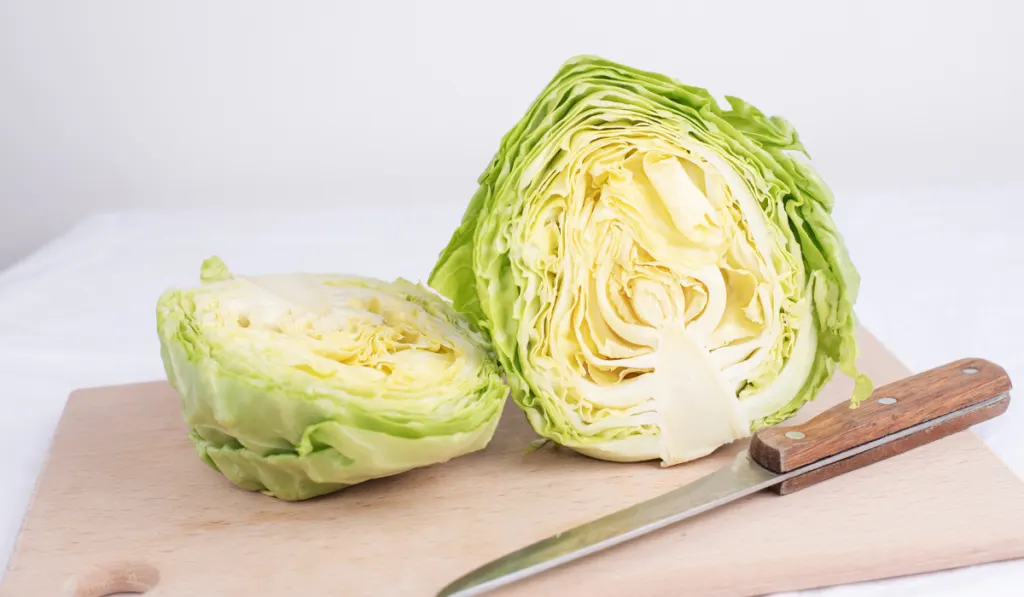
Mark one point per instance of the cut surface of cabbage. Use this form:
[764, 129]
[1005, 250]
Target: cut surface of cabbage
[658, 277]
[301, 384]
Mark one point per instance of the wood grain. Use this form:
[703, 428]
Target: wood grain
[919, 398]
[123, 493]
[893, 448]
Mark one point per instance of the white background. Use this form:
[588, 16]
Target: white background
[107, 105]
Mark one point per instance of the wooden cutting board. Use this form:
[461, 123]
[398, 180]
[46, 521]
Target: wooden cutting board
[125, 503]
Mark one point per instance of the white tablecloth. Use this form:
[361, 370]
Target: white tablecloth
[943, 275]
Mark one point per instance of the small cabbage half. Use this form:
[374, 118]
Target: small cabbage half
[298, 385]
[659, 275]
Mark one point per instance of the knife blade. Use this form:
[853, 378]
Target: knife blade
[896, 418]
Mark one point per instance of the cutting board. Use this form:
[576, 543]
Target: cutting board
[124, 502]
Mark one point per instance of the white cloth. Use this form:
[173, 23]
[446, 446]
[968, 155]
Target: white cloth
[943, 275]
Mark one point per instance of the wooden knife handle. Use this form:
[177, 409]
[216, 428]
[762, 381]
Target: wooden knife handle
[890, 409]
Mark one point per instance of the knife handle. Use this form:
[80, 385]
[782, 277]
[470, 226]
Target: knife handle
[890, 409]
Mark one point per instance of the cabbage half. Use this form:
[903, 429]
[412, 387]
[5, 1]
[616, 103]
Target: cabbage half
[659, 275]
[298, 385]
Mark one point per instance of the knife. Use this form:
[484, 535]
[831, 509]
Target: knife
[896, 418]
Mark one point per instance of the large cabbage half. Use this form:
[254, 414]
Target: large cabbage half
[298, 385]
[660, 275]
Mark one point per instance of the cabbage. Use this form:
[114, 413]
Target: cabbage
[659, 275]
[298, 385]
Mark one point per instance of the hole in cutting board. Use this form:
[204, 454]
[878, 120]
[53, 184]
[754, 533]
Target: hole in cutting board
[112, 579]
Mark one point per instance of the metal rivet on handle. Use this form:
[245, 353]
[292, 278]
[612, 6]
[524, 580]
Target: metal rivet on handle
[795, 435]
[887, 400]
[970, 370]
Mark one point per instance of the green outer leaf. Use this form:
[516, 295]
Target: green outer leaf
[214, 270]
[476, 269]
[268, 431]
